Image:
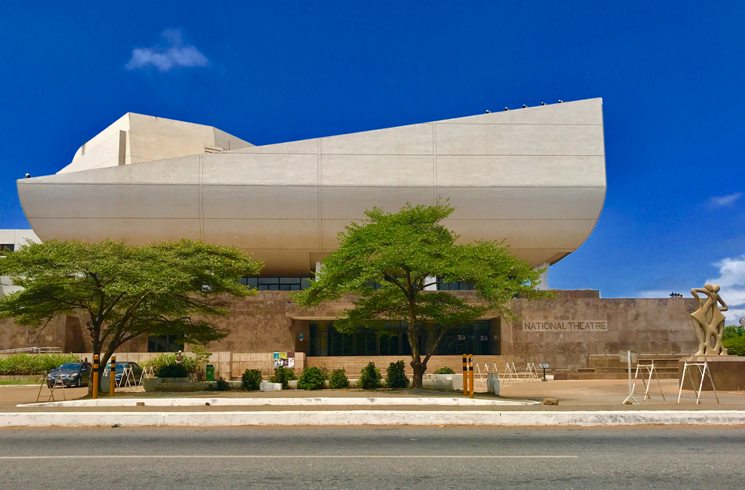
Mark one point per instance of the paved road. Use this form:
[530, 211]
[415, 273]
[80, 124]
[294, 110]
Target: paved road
[373, 458]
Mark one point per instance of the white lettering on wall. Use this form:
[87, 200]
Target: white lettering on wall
[565, 326]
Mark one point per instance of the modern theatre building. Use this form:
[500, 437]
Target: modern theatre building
[533, 177]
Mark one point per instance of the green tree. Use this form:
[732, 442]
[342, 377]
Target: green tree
[390, 262]
[125, 291]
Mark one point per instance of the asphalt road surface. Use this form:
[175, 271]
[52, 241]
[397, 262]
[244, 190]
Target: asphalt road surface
[373, 458]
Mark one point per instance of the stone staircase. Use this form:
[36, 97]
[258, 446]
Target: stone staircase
[610, 366]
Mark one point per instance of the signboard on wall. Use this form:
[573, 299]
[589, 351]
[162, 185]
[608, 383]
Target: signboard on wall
[565, 326]
[283, 359]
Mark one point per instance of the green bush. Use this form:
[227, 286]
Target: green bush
[370, 377]
[220, 385]
[312, 378]
[395, 375]
[172, 371]
[338, 379]
[31, 364]
[444, 370]
[283, 375]
[735, 345]
[169, 359]
[251, 379]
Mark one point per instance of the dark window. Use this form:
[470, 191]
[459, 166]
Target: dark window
[165, 343]
[276, 283]
[6, 247]
[455, 286]
[474, 338]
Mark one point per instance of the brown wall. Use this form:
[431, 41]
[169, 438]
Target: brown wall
[649, 326]
[269, 322]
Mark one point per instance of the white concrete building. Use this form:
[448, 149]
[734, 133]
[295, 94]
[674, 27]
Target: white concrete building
[11, 240]
[533, 177]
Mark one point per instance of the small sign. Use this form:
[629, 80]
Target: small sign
[565, 326]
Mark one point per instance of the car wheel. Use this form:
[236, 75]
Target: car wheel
[79, 383]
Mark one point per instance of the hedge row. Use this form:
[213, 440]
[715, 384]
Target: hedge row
[169, 359]
[735, 345]
[30, 364]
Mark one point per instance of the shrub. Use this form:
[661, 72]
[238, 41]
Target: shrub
[735, 345]
[220, 385]
[251, 379]
[172, 371]
[283, 375]
[444, 370]
[338, 379]
[169, 359]
[395, 375]
[370, 377]
[311, 379]
[30, 364]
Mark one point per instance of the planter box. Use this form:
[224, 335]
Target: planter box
[174, 384]
[267, 386]
[492, 384]
[440, 382]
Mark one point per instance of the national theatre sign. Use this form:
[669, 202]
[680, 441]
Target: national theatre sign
[566, 326]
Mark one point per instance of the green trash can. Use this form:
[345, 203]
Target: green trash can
[209, 370]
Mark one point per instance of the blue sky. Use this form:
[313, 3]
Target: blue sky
[672, 76]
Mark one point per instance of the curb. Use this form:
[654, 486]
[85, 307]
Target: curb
[287, 402]
[369, 418]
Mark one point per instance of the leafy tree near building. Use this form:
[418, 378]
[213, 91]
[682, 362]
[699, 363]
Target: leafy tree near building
[125, 291]
[389, 263]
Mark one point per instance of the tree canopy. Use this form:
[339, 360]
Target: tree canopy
[392, 261]
[126, 291]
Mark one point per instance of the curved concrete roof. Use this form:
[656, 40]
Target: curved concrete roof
[534, 177]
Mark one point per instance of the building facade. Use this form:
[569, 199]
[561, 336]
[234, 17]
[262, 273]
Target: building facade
[533, 178]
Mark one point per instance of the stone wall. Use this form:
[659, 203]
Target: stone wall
[650, 326]
[14, 336]
[269, 322]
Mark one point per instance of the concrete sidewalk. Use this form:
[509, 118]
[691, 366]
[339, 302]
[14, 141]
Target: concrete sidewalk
[589, 402]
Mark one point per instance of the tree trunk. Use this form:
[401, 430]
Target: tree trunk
[419, 368]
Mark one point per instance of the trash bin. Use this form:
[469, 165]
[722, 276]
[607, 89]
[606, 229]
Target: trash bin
[209, 371]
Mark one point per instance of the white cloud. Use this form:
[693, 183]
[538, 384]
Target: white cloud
[721, 201]
[732, 280]
[171, 54]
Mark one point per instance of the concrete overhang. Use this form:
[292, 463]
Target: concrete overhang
[532, 177]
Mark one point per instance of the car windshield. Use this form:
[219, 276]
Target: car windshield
[73, 366]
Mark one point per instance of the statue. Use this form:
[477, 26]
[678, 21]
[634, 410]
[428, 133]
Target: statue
[709, 321]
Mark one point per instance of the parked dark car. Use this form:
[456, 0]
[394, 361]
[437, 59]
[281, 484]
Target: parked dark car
[136, 371]
[70, 374]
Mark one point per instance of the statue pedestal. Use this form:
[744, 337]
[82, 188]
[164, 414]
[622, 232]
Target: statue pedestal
[728, 373]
